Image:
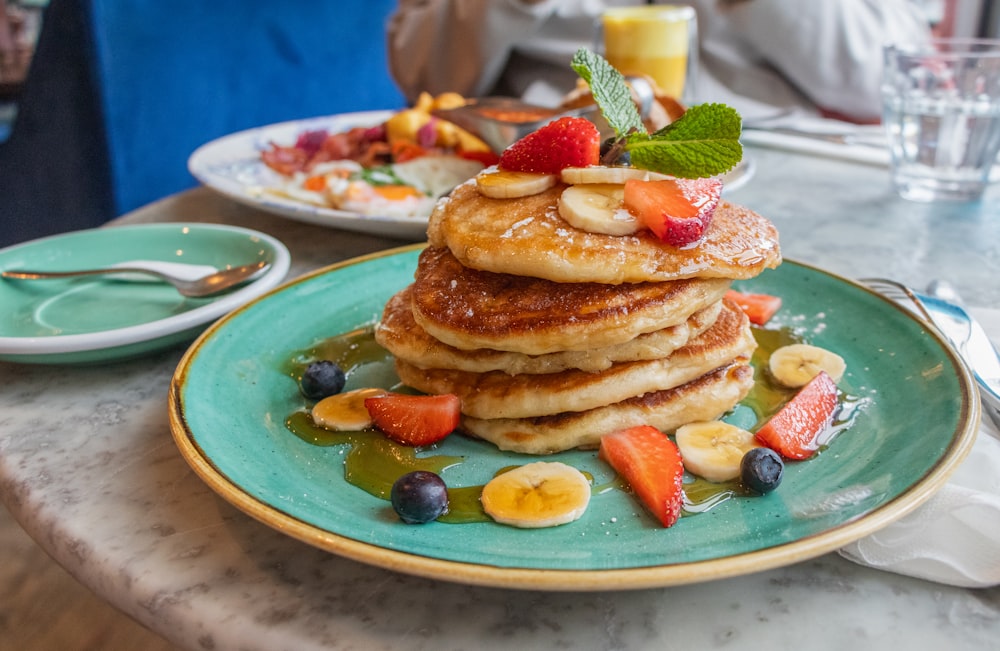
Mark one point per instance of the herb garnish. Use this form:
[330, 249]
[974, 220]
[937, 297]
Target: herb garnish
[705, 141]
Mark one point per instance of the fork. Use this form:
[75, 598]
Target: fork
[959, 328]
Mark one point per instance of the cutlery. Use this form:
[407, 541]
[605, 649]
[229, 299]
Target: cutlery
[196, 281]
[832, 137]
[941, 307]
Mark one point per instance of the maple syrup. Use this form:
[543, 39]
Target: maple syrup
[373, 462]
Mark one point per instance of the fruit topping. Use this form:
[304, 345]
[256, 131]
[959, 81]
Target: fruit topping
[566, 142]
[677, 210]
[793, 431]
[535, 495]
[759, 308]
[321, 379]
[795, 364]
[597, 208]
[345, 412]
[651, 464]
[608, 174]
[714, 449]
[761, 470]
[419, 496]
[505, 184]
[414, 420]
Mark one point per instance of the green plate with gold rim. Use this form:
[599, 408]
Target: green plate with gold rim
[92, 319]
[231, 394]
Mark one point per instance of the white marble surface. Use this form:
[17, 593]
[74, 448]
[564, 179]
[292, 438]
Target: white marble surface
[89, 469]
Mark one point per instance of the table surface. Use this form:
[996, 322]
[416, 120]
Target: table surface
[89, 469]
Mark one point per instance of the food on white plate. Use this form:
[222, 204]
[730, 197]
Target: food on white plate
[398, 168]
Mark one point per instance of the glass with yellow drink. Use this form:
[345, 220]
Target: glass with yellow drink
[659, 41]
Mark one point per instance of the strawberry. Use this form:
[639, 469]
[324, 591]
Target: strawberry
[651, 464]
[677, 210]
[759, 308]
[792, 432]
[414, 420]
[567, 142]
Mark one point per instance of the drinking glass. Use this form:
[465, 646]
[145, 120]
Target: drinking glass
[658, 41]
[941, 111]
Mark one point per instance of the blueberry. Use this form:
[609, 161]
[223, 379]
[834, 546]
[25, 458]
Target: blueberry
[761, 470]
[613, 152]
[322, 379]
[419, 496]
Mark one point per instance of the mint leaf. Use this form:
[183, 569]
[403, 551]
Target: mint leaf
[610, 92]
[705, 141]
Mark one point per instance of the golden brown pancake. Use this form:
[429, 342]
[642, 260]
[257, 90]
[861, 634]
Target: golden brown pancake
[471, 309]
[496, 394]
[398, 333]
[706, 398]
[527, 237]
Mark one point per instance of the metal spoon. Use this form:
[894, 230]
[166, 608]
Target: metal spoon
[201, 286]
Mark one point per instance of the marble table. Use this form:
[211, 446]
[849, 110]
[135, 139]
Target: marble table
[89, 469]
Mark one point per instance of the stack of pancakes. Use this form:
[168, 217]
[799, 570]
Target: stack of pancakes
[553, 336]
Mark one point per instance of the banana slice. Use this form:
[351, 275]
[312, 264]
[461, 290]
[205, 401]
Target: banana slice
[713, 449]
[794, 365]
[598, 208]
[535, 495]
[608, 174]
[504, 184]
[344, 412]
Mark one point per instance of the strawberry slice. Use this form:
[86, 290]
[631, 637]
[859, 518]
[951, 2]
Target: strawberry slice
[651, 464]
[759, 308]
[792, 432]
[677, 210]
[414, 420]
[566, 142]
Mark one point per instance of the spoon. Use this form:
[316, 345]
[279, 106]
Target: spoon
[205, 281]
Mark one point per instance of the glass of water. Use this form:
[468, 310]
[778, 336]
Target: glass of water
[941, 110]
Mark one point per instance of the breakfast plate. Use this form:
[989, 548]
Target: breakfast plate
[97, 318]
[915, 420]
[231, 166]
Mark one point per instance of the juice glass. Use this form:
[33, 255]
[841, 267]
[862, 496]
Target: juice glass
[659, 41]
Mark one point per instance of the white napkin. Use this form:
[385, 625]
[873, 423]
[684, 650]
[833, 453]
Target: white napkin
[954, 537]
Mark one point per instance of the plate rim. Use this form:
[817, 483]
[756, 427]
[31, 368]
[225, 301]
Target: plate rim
[413, 227]
[118, 337]
[559, 580]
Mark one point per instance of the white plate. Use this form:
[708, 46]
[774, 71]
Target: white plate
[97, 319]
[231, 165]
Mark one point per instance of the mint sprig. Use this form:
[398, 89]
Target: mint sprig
[705, 141]
[610, 92]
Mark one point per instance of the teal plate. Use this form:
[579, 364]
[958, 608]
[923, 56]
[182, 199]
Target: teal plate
[98, 319]
[231, 394]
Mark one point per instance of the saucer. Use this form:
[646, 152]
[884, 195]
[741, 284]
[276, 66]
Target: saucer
[96, 318]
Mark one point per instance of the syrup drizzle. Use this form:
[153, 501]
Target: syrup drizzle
[372, 462]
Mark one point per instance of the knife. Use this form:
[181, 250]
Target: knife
[969, 338]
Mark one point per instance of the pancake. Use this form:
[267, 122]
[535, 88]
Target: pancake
[527, 237]
[496, 394]
[707, 398]
[471, 309]
[399, 333]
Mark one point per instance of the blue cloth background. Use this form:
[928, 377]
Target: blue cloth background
[122, 91]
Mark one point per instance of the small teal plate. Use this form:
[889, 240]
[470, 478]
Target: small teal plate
[97, 319]
[230, 396]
